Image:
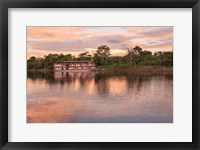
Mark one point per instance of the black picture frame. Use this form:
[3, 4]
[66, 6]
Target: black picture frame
[6, 4]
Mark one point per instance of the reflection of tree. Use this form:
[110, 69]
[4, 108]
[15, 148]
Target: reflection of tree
[68, 79]
[169, 77]
[136, 81]
[61, 77]
[40, 75]
[84, 77]
[102, 85]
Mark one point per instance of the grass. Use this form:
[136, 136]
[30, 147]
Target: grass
[141, 70]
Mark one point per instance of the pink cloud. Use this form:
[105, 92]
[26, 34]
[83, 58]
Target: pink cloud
[54, 33]
[77, 39]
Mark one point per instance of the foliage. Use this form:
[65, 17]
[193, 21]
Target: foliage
[101, 55]
[85, 56]
[134, 57]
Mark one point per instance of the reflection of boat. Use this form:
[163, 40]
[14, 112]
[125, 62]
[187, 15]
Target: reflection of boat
[59, 75]
[75, 66]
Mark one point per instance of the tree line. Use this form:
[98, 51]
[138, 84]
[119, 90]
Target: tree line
[134, 57]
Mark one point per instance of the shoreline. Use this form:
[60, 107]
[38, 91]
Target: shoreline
[40, 70]
[140, 70]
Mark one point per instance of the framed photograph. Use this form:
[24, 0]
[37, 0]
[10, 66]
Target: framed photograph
[104, 74]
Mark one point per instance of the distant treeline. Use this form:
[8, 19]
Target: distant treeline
[134, 57]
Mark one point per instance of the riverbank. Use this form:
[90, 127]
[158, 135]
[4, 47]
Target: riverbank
[40, 70]
[142, 70]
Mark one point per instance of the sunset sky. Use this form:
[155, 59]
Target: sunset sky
[44, 40]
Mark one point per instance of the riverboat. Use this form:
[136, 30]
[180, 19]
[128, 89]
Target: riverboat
[75, 66]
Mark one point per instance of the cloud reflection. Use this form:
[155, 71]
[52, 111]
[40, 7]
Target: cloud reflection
[96, 98]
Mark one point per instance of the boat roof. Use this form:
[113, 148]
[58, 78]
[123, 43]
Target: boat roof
[81, 61]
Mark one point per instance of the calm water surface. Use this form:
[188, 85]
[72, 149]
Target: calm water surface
[98, 98]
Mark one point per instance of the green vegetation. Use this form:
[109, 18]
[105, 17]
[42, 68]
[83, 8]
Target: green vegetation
[135, 57]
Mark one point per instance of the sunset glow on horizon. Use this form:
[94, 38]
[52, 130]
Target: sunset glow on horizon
[75, 40]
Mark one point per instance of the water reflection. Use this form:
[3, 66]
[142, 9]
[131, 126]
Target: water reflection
[102, 98]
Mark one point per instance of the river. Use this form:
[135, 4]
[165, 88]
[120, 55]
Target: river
[91, 97]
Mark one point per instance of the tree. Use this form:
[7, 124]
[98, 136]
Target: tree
[137, 50]
[101, 55]
[68, 57]
[133, 54]
[103, 51]
[50, 59]
[85, 56]
[158, 53]
[145, 58]
[167, 59]
[31, 62]
[60, 57]
[32, 59]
